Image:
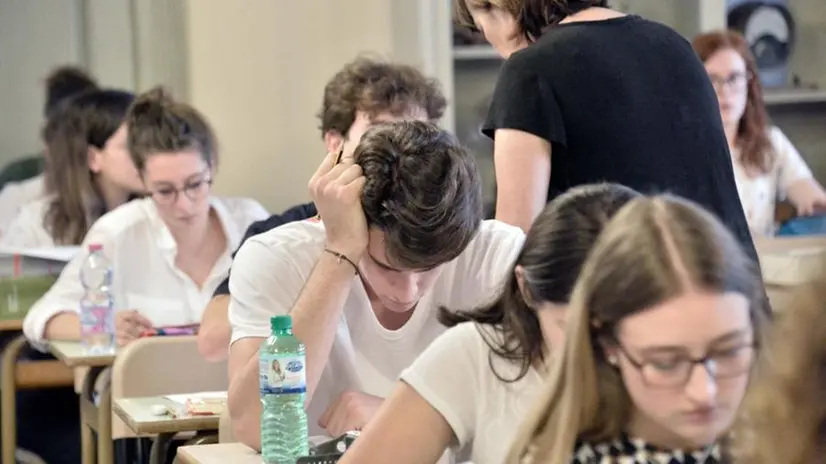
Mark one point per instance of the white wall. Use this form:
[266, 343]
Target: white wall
[34, 36]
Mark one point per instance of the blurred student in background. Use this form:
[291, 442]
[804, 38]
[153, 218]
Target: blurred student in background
[89, 172]
[21, 181]
[784, 419]
[767, 167]
[472, 387]
[170, 250]
[660, 339]
[365, 92]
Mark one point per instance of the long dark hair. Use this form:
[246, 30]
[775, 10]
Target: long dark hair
[555, 249]
[78, 124]
[756, 151]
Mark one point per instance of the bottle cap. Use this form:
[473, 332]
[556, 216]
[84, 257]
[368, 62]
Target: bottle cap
[281, 323]
[95, 247]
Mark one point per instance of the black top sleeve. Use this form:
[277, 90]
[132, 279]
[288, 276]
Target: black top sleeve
[524, 101]
[296, 213]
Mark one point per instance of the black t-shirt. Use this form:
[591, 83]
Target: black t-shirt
[623, 100]
[296, 213]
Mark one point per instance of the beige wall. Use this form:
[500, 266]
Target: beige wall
[257, 68]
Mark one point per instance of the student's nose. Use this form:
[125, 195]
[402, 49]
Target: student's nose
[405, 287]
[701, 386]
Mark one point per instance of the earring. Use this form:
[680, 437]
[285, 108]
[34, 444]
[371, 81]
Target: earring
[612, 360]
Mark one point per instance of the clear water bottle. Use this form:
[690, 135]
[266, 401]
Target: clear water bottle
[97, 313]
[282, 373]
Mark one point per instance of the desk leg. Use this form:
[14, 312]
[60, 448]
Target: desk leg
[105, 444]
[8, 397]
[90, 420]
[160, 448]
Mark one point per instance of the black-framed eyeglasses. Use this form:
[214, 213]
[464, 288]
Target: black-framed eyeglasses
[674, 371]
[734, 80]
[195, 190]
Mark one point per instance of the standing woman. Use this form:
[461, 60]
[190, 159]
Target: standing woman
[588, 94]
[89, 172]
[767, 167]
[660, 339]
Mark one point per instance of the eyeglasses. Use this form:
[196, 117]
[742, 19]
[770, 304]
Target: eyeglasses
[194, 190]
[734, 80]
[676, 370]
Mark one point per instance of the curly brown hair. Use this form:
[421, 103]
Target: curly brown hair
[756, 150]
[375, 87]
[534, 16]
[784, 417]
[159, 124]
[422, 190]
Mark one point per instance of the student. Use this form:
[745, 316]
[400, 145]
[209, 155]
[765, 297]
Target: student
[170, 250]
[784, 418]
[590, 94]
[767, 167]
[471, 387]
[89, 173]
[401, 234]
[364, 93]
[22, 181]
[661, 336]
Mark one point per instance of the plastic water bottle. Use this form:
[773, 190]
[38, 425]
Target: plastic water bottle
[97, 314]
[282, 373]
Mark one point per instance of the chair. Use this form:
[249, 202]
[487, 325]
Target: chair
[24, 375]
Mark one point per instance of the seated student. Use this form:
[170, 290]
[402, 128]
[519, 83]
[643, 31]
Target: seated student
[89, 173]
[473, 384]
[784, 415]
[169, 251]
[767, 167]
[401, 234]
[660, 338]
[21, 181]
[365, 92]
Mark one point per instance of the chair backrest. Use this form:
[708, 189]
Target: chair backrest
[155, 366]
[225, 432]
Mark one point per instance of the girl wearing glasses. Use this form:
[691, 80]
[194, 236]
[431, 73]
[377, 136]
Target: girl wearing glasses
[471, 387]
[660, 339]
[169, 250]
[767, 167]
[88, 173]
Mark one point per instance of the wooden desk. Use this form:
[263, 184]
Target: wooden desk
[94, 418]
[222, 453]
[138, 414]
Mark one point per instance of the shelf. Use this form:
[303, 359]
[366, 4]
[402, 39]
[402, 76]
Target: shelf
[792, 96]
[475, 52]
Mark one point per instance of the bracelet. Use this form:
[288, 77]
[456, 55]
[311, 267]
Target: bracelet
[342, 257]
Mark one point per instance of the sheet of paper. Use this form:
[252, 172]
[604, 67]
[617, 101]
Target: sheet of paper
[182, 399]
[61, 254]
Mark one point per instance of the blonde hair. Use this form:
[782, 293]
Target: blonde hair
[784, 413]
[653, 250]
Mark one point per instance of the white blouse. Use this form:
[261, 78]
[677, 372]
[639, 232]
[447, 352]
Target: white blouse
[15, 196]
[143, 251]
[758, 194]
[28, 230]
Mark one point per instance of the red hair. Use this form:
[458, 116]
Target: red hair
[756, 151]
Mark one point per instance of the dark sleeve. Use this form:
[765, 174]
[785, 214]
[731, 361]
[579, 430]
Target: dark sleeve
[524, 100]
[296, 213]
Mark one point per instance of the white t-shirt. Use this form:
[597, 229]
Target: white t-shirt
[269, 272]
[142, 252]
[759, 194]
[15, 195]
[454, 376]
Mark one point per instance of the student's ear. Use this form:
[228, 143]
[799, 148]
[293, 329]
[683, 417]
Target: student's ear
[519, 274]
[333, 141]
[610, 351]
[93, 159]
